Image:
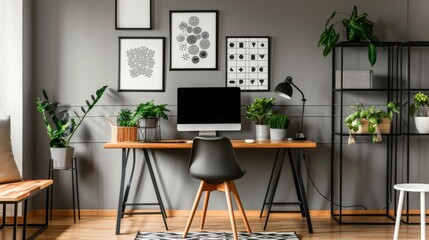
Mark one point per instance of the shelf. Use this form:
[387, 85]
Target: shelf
[366, 135]
[390, 91]
[365, 44]
[416, 44]
[365, 90]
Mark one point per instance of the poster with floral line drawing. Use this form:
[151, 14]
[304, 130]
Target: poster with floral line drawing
[248, 63]
[141, 64]
[193, 40]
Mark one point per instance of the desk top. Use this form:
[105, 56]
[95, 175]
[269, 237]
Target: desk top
[177, 144]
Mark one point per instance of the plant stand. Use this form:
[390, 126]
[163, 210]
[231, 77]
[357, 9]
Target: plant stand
[75, 191]
[149, 130]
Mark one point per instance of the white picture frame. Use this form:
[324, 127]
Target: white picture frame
[133, 14]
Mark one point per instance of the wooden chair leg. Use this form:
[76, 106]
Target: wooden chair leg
[231, 210]
[240, 207]
[206, 203]
[194, 208]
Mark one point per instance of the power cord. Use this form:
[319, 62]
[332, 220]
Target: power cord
[329, 200]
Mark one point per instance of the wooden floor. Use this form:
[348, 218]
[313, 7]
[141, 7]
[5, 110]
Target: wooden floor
[103, 227]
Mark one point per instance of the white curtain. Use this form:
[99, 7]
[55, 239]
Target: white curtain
[11, 70]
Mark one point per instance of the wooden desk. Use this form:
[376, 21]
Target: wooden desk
[281, 146]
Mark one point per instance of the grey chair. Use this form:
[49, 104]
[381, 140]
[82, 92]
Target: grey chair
[214, 162]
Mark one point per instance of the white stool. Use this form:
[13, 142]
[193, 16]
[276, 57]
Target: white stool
[412, 187]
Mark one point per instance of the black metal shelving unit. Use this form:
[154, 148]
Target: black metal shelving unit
[392, 92]
[408, 93]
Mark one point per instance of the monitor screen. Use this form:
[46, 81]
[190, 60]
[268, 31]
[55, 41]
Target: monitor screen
[208, 109]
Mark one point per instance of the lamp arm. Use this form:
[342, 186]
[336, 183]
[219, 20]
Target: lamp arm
[303, 105]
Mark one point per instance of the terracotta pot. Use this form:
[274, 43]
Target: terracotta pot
[384, 126]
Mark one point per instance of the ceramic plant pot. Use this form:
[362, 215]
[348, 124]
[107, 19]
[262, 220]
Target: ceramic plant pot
[262, 132]
[62, 157]
[422, 124]
[277, 134]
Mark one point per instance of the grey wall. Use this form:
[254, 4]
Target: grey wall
[75, 51]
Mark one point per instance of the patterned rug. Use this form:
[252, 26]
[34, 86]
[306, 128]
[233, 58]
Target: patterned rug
[216, 235]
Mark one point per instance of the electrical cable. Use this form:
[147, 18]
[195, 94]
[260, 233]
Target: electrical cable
[329, 200]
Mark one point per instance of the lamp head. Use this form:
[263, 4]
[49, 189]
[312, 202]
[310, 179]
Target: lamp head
[284, 89]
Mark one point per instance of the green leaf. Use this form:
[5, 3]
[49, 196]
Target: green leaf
[83, 109]
[354, 13]
[372, 54]
[351, 34]
[332, 16]
[92, 97]
[45, 95]
[356, 26]
[87, 103]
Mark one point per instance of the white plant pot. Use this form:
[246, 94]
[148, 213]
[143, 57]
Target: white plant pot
[277, 134]
[422, 124]
[262, 132]
[62, 157]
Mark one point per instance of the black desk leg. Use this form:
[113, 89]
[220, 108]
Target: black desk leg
[121, 191]
[127, 189]
[295, 181]
[276, 182]
[269, 183]
[302, 189]
[155, 185]
[74, 205]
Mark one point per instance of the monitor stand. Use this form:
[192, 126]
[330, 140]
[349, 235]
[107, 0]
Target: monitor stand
[207, 134]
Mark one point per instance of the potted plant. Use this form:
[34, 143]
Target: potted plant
[358, 28]
[61, 128]
[126, 129]
[148, 115]
[421, 101]
[370, 120]
[278, 126]
[260, 112]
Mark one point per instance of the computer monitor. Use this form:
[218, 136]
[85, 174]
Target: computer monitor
[208, 109]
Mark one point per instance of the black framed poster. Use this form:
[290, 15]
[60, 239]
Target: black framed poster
[141, 64]
[193, 40]
[248, 63]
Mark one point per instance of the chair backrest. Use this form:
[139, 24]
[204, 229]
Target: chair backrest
[213, 160]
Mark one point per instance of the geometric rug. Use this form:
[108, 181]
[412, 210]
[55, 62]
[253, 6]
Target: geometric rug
[216, 235]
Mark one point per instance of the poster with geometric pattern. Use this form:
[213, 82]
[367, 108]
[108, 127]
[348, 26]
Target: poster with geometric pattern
[193, 40]
[248, 63]
[141, 64]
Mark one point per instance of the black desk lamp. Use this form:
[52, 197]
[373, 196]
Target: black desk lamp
[285, 90]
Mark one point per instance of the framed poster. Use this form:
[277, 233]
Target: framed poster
[193, 40]
[248, 63]
[133, 14]
[141, 64]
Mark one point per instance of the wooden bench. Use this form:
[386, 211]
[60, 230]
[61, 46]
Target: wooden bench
[16, 192]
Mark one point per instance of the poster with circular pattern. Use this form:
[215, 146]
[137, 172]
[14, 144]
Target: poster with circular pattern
[193, 40]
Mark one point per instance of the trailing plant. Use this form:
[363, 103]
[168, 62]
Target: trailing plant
[420, 100]
[260, 110]
[59, 126]
[125, 118]
[358, 28]
[374, 117]
[279, 121]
